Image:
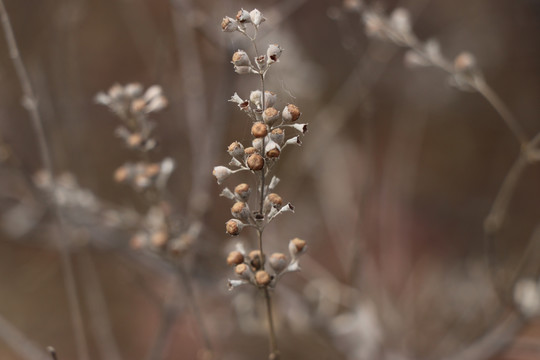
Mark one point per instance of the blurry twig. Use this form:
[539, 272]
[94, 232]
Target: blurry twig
[30, 103]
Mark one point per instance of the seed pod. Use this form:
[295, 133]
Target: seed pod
[255, 162]
[296, 247]
[294, 141]
[134, 140]
[242, 191]
[465, 62]
[250, 151]
[262, 278]
[235, 258]
[255, 97]
[152, 170]
[240, 210]
[300, 127]
[272, 200]
[270, 115]
[159, 239]
[272, 150]
[291, 113]
[221, 173]
[259, 130]
[240, 58]
[257, 144]
[138, 105]
[234, 226]
[261, 62]
[269, 99]
[243, 16]
[277, 136]
[229, 24]
[242, 271]
[122, 173]
[274, 52]
[236, 149]
[256, 17]
[255, 259]
[278, 262]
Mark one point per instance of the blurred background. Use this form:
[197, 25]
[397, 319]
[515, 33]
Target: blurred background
[391, 185]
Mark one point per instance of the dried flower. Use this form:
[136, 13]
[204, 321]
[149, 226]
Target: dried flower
[256, 17]
[243, 16]
[235, 258]
[291, 113]
[221, 173]
[236, 149]
[259, 130]
[297, 246]
[255, 162]
[270, 115]
[278, 262]
[241, 58]
[278, 136]
[240, 210]
[228, 24]
[242, 271]
[262, 278]
[234, 226]
[274, 52]
[242, 191]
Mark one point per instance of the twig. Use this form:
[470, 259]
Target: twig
[30, 103]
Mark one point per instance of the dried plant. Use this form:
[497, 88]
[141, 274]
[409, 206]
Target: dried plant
[268, 129]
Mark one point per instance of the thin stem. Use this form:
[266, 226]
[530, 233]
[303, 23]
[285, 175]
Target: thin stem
[274, 351]
[30, 103]
[52, 352]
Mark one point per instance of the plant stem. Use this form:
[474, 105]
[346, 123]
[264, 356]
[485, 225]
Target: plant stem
[274, 351]
[30, 103]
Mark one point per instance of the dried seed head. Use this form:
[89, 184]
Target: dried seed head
[240, 210]
[269, 99]
[241, 58]
[256, 17]
[228, 24]
[121, 174]
[255, 162]
[262, 278]
[242, 191]
[259, 130]
[235, 258]
[270, 115]
[159, 239]
[275, 200]
[221, 173]
[250, 151]
[291, 113]
[152, 170]
[138, 105]
[233, 227]
[278, 262]
[243, 16]
[242, 271]
[255, 259]
[277, 136]
[236, 149]
[261, 62]
[274, 52]
[272, 149]
[257, 144]
[134, 140]
[255, 97]
[297, 246]
[465, 62]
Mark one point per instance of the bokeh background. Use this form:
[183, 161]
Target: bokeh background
[391, 186]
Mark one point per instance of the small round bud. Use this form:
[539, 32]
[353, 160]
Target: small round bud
[278, 262]
[241, 58]
[272, 150]
[233, 227]
[243, 16]
[221, 173]
[235, 258]
[270, 115]
[297, 246]
[255, 259]
[255, 162]
[250, 150]
[121, 174]
[291, 113]
[262, 278]
[228, 24]
[242, 191]
[277, 136]
[236, 149]
[259, 130]
[159, 239]
[465, 62]
[240, 210]
[242, 271]
[274, 52]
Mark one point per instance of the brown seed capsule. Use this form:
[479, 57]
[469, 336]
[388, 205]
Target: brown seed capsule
[159, 238]
[259, 130]
[121, 174]
[278, 262]
[250, 150]
[273, 153]
[242, 270]
[270, 115]
[228, 24]
[134, 140]
[240, 210]
[152, 170]
[262, 278]
[275, 199]
[240, 58]
[236, 149]
[255, 162]
[296, 246]
[255, 259]
[235, 258]
[291, 113]
[233, 227]
[277, 136]
[242, 191]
